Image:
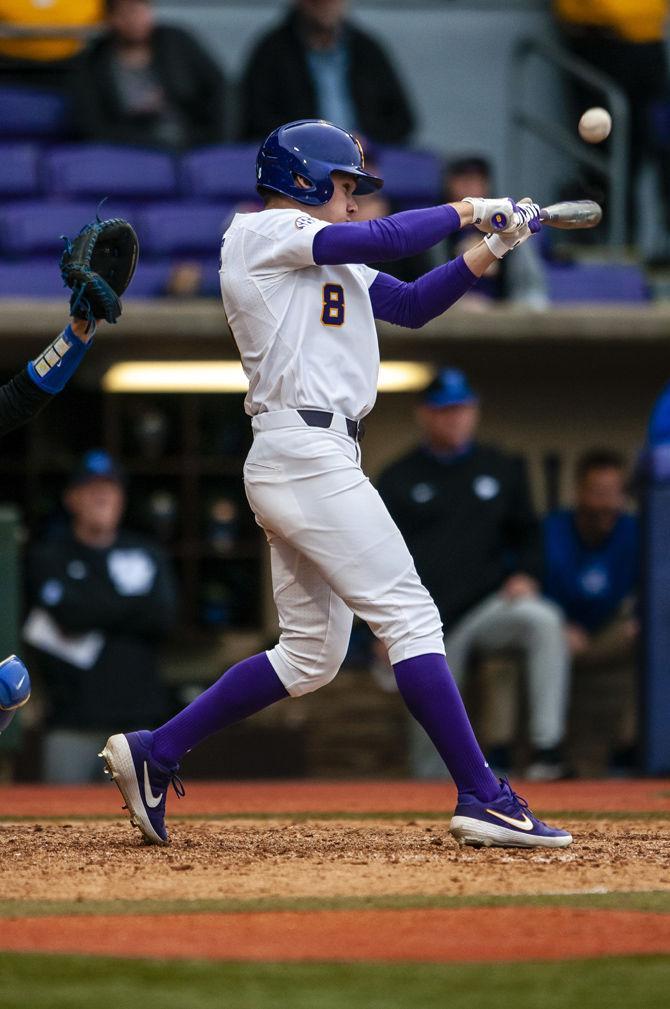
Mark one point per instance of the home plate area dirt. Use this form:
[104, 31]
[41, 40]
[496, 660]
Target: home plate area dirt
[329, 885]
[285, 859]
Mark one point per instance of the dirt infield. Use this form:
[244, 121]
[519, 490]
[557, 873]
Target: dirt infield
[262, 797]
[467, 935]
[282, 844]
[281, 859]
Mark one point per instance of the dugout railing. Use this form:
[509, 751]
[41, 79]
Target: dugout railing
[611, 163]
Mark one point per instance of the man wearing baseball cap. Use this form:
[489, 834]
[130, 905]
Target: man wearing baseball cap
[102, 600]
[465, 511]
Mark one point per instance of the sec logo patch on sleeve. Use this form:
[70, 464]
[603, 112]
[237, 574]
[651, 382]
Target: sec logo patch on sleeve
[304, 221]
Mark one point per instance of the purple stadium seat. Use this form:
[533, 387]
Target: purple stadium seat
[18, 169]
[166, 229]
[411, 177]
[36, 227]
[211, 284]
[98, 170]
[596, 282]
[226, 172]
[32, 278]
[27, 112]
[150, 280]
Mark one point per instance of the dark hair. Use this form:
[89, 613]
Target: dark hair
[598, 458]
[111, 5]
[474, 164]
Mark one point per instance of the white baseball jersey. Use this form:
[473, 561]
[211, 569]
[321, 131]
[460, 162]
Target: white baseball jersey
[305, 333]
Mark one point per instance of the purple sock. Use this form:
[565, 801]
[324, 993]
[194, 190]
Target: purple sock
[247, 687]
[430, 692]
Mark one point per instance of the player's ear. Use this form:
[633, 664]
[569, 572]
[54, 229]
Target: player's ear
[301, 181]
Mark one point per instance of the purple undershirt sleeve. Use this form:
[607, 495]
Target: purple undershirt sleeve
[394, 237]
[412, 305]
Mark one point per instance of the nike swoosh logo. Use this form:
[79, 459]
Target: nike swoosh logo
[149, 797]
[524, 824]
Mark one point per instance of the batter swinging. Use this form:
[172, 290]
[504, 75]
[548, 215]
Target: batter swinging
[301, 305]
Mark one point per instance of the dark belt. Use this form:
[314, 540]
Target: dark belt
[321, 418]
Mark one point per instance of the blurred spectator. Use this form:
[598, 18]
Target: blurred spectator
[659, 422]
[591, 571]
[30, 58]
[148, 84]
[318, 65]
[624, 39]
[520, 278]
[102, 599]
[465, 511]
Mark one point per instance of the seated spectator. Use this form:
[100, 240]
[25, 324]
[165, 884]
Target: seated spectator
[465, 511]
[520, 278]
[28, 57]
[102, 599]
[591, 571]
[148, 84]
[318, 65]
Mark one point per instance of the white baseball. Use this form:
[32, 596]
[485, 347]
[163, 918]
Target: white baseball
[595, 125]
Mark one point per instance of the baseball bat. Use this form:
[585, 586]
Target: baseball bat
[572, 214]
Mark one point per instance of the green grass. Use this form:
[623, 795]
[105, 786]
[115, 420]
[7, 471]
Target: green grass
[50, 982]
[657, 901]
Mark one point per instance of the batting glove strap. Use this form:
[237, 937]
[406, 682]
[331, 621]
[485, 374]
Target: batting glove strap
[57, 364]
[527, 213]
[500, 245]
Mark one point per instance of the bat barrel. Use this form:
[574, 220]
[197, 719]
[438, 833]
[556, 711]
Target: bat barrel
[572, 214]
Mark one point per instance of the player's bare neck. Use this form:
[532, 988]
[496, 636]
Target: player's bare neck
[282, 203]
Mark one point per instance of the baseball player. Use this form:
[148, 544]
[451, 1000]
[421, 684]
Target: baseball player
[301, 305]
[20, 399]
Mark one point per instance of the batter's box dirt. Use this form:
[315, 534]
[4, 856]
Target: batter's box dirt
[280, 858]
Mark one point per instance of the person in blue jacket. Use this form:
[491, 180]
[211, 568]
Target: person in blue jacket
[591, 571]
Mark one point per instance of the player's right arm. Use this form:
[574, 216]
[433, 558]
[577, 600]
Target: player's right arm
[413, 231]
[33, 388]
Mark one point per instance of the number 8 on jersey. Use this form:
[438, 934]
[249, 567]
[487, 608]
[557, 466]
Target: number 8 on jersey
[332, 313]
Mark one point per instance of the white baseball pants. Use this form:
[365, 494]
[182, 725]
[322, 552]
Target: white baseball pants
[335, 551]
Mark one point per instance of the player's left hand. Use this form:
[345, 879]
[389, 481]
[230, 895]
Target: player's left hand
[500, 243]
[83, 329]
[492, 214]
[503, 215]
[520, 586]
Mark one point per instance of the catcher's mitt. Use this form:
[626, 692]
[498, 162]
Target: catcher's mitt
[98, 265]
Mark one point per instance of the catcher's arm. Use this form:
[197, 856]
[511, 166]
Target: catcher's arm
[29, 392]
[98, 266]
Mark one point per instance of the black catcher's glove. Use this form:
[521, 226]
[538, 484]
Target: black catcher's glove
[98, 265]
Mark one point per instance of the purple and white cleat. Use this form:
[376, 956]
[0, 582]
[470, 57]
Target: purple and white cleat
[507, 822]
[142, 781]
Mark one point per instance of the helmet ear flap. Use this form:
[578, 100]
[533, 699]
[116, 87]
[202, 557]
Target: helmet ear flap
[302, 182]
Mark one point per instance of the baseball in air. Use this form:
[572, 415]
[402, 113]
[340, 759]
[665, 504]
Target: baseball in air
[595, 125]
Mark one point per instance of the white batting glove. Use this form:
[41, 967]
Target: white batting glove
[527, 212]
[501, 244]
[492, 215]
[502, 215]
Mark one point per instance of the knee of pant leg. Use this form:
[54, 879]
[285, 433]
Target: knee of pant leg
[542, 615]
[407, 638]
[302, 667]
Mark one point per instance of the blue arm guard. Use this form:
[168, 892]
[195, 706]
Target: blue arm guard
[58, 363]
